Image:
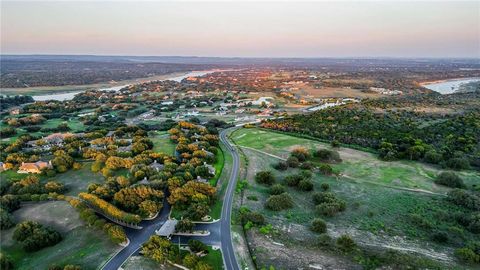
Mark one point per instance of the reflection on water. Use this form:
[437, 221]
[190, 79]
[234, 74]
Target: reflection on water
[70, 95]
[449, 86]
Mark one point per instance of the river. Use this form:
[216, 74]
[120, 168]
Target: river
[70, 95]
[448, 86]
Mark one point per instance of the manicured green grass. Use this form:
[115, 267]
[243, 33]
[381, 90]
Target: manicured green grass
[214, 258]
[216, 210]
[74, 124]
[219, 163]
[11, 175]
[272, 142]
[162, 143]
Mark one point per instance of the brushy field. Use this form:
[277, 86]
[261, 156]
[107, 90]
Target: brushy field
[357, 165]
[80, 245]
[392, 205]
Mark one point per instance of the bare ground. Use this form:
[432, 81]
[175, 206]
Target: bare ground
[269, 252]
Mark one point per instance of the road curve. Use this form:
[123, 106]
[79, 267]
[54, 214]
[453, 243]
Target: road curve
[229, 259]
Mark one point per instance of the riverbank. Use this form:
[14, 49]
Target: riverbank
[448, 86]
[69, 89]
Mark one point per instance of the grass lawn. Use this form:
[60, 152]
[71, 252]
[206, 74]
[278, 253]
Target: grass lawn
[77, 181]
[357, 165]
[162, 143]
[216, 210]
[74, 124]
[80, 245]
[219, 163]
[11, 175]
[214, 258]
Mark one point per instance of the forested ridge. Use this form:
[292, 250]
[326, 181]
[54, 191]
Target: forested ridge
[398, 130]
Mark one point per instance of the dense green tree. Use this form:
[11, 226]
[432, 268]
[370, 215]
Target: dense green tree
[34, 236]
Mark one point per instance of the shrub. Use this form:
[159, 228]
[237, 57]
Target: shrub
[281, 166]
[293, 180]
[305, 185]
[265, 177]
[300, 153]
[277, 189]
[253, 217]
[325, 186]
[306, 174]
[467, 255]
[324, 240]
[449, 179]
[306, 165]
[440, 237]
[464, 198]
[335, 143]
[252, 198]
[117, 234]
[345, 243]
[293, 162]
[474, 223]
[6, 263]
[457, 163]
[6, 221]
[325, 169]
[279, 202]
[328, 204]
[9, 202]
[318, 226]
[267, 229]
[190, 261]
[327, 155]
[197, 246]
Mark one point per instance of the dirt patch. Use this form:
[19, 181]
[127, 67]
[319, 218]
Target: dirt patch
[269, 252]
[142, 263]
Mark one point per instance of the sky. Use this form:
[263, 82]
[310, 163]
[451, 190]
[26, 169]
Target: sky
[243, 29]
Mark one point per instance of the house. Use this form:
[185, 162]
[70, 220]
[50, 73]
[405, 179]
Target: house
[211, 169]
[201, 180]
[3, 167]
[110, 134]
[156, 166]
[167, 229]
[57, 138]
[36, 167]
[209, 154]
[124, 148]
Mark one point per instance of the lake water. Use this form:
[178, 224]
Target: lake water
[449, 86]
[70, 95]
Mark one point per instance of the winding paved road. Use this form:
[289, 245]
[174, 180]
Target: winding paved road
[220, 234]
